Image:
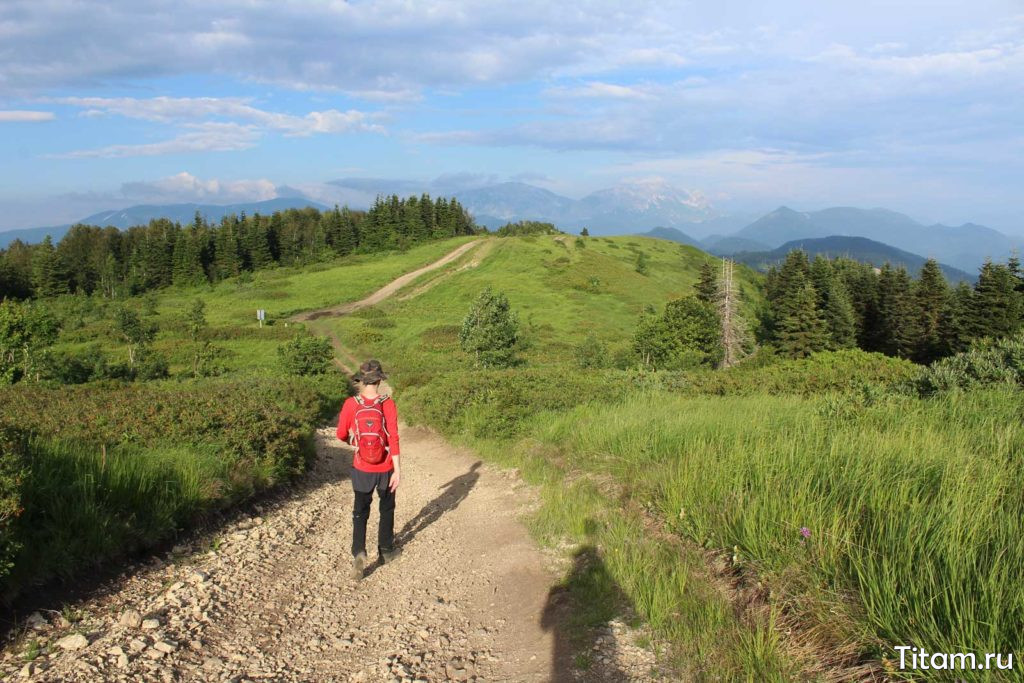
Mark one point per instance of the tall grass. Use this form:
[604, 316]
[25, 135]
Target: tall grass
[83, 506]
[913, 507]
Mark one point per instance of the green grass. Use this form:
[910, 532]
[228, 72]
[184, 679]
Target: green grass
[550, 284]
[913, 509]
[231, 308]
[912, 505]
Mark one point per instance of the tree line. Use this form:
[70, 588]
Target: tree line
[112, 262]
[841, 303]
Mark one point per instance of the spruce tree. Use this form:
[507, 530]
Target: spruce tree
[996, 308]
[490, 331]
[47, 276]
[931, 295]
[802, 330]
[707, 283]
[955, 324]
[897, 314]
[258, 242]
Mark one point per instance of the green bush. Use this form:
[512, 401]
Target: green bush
[112, 467]
[496, 403]
[591, 353]
[13, 447]
[306, 355]
[826, 371]
[490, 331]
[150, 365]
[988, 363]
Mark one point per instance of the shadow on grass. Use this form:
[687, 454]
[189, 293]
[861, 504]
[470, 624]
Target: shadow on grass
[579, 611]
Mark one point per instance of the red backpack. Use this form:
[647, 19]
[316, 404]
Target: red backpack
[371, 434]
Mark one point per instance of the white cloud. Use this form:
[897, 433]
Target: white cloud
[204, 127]
[185, 187]
[200, 137]
[178, 109]
[23, 116]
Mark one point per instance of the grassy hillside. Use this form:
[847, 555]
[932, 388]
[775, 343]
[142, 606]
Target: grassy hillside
[792, 521]
[563, 289]
[108, 467]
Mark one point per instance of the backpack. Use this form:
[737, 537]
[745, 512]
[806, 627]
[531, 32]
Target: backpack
[371, 434]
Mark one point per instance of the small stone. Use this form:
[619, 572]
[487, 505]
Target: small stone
[165, 646]
[213, 664]
[197, 576]
[36, 621]
[122, 661]
[130, 618]
[116, 651]
[150, 624]
[137, 645]
[153, 653]
[28, 670]
[75, 641]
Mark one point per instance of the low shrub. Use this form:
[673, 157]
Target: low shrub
[13, 448]
[306, 354]
[847, 370]
[988, 363]
[496, 403]
[112, 467]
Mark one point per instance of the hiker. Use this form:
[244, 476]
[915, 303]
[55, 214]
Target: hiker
[369, 421]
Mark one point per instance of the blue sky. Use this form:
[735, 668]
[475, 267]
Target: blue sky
[914, 106]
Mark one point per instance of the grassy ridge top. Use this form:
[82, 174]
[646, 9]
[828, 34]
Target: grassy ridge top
[563, 289]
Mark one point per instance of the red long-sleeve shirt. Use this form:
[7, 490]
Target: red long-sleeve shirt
[348, 412]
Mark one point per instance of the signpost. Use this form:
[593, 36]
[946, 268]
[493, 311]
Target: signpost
[261, 315]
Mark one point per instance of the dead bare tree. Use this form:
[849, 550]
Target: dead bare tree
[734, 330]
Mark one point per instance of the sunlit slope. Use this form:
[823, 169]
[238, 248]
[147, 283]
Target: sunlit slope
[562, 288]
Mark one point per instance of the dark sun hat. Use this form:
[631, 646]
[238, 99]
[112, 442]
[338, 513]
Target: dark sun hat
[370, 372]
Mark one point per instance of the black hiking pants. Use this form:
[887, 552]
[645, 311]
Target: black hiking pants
[363, 484]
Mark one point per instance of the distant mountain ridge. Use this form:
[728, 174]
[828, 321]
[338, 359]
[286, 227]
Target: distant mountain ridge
[614, 210]
[626, 208]
[142, 214]
[858, 248]
[965, 247]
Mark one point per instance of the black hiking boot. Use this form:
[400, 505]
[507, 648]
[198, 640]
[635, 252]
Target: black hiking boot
[358, 565]
[387, 556]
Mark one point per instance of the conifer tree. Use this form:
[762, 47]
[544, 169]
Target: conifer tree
[996, 310]
[802, 331]
[931, 297]
[897, 314]
[955, 324]
[258, 242]
[47, 278]
[707, 283]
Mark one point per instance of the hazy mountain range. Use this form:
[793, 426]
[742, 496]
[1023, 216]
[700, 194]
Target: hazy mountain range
[858, 248]
[626, 208]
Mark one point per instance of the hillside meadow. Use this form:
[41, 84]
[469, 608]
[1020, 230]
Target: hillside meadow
[106, 468]
[775, 521]
[781, 520]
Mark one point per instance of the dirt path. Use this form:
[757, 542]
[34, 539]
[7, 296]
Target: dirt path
[269, 596]
[388, 289]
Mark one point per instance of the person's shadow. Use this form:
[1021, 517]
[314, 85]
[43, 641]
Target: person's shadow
[577, 611]
[453, 493]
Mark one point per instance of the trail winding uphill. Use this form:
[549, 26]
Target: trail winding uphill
[268, 596]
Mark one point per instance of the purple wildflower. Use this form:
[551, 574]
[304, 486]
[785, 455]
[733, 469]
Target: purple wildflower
[805, 532]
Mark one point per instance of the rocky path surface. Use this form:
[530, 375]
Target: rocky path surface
[269, 597]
